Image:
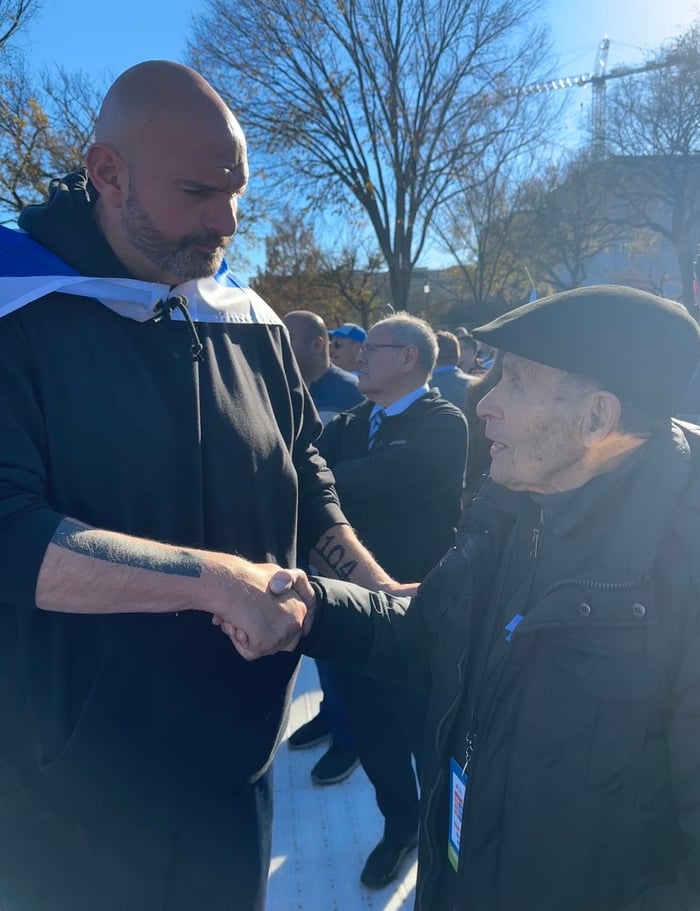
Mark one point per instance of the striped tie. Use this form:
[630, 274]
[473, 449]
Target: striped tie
[375, 423]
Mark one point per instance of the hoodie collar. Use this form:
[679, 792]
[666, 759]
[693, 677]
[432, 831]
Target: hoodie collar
[63, 251]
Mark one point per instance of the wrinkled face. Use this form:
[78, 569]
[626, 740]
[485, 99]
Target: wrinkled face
[181, 209]
[344, 352]
[535, 424]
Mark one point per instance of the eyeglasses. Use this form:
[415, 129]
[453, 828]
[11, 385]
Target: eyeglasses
[368, 348]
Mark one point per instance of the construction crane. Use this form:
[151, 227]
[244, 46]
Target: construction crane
[597, 79]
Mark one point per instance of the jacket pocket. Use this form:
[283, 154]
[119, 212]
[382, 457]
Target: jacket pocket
[622, 690]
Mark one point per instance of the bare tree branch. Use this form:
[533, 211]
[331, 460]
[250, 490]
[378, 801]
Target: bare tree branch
[13, 15]
[379, 102]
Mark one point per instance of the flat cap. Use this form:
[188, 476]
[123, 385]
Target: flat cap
[641, 347]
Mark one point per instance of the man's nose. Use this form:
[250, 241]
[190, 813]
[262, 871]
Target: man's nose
[222, 217]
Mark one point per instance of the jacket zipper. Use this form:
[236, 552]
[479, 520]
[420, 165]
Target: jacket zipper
[438, 781]
[470, 741]
[597, 585]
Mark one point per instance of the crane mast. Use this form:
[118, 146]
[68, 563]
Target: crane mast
[597, 79]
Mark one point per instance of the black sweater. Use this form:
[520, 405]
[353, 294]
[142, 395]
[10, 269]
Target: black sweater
[112, 422]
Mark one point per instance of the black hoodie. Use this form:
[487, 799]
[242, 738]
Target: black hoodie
[112, 421]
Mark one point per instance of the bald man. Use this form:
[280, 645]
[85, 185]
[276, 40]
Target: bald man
[157, 443]
[332, 390]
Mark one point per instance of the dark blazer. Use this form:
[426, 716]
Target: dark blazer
[402, 496]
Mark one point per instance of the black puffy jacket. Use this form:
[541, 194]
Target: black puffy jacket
[584, 783]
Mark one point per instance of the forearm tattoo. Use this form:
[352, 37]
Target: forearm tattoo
[335, 557]
[91, 542]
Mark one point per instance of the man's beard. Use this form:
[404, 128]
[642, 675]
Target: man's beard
[182, 257]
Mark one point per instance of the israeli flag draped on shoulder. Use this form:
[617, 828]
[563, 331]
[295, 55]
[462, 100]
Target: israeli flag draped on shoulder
[29, 271]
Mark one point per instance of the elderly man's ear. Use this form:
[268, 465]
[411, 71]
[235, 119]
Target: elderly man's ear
[601, 418]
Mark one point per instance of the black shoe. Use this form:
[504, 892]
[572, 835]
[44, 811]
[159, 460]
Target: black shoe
[309, 734]
[335, 765]
[384, 862]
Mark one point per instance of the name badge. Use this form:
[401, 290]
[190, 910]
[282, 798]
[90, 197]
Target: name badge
[458, 791]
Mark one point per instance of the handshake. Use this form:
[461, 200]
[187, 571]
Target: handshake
[270, 609]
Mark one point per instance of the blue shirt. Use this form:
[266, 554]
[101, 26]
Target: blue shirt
[334, 392]
[400, 405]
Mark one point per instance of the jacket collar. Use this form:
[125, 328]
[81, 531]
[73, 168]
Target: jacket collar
[628, 510]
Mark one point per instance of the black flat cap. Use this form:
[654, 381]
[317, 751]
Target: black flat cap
[641, 347]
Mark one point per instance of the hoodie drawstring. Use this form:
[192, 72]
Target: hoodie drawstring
[164, 309]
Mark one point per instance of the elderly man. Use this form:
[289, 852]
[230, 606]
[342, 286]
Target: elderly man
[399, 462]
[560, 640]
[153, 425]
[346, 341]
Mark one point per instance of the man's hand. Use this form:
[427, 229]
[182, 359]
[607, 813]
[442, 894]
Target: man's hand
[264, 613]
[286, 579]
[400, 589]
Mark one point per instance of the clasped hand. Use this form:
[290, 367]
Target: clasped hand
[271, 614]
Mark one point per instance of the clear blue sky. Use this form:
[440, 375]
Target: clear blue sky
[103, 39]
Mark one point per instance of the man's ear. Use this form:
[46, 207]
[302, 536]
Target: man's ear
[602, 416]
[410, 358]
[108, 172]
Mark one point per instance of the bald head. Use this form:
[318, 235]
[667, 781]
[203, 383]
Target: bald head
[159, 95]
[309, 338]
[169, 163]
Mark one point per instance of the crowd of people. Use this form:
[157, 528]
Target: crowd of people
[486, 539]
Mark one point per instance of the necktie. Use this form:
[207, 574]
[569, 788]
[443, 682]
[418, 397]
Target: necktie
[374, 425]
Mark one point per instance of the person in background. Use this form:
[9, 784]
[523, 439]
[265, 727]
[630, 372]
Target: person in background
[345, 345]
[452, 382]
[467, 351]
[399, 461]
[484, 357]
[332, 390]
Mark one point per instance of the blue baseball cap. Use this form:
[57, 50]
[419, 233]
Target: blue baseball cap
[349, 330]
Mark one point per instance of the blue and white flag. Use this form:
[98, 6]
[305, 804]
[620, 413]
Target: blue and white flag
[29, 271]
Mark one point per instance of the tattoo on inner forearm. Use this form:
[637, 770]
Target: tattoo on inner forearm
[91, 542]
[334, 555]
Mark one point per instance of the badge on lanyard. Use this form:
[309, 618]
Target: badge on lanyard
[458, 791]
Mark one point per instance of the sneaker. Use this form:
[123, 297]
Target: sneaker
[335, 765]
[383, 863]
[309, 734]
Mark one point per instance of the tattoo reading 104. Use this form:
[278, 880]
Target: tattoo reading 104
[334, 555]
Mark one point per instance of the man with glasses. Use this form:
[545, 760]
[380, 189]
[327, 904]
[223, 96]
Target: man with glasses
[399, 462]
[345, 345]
